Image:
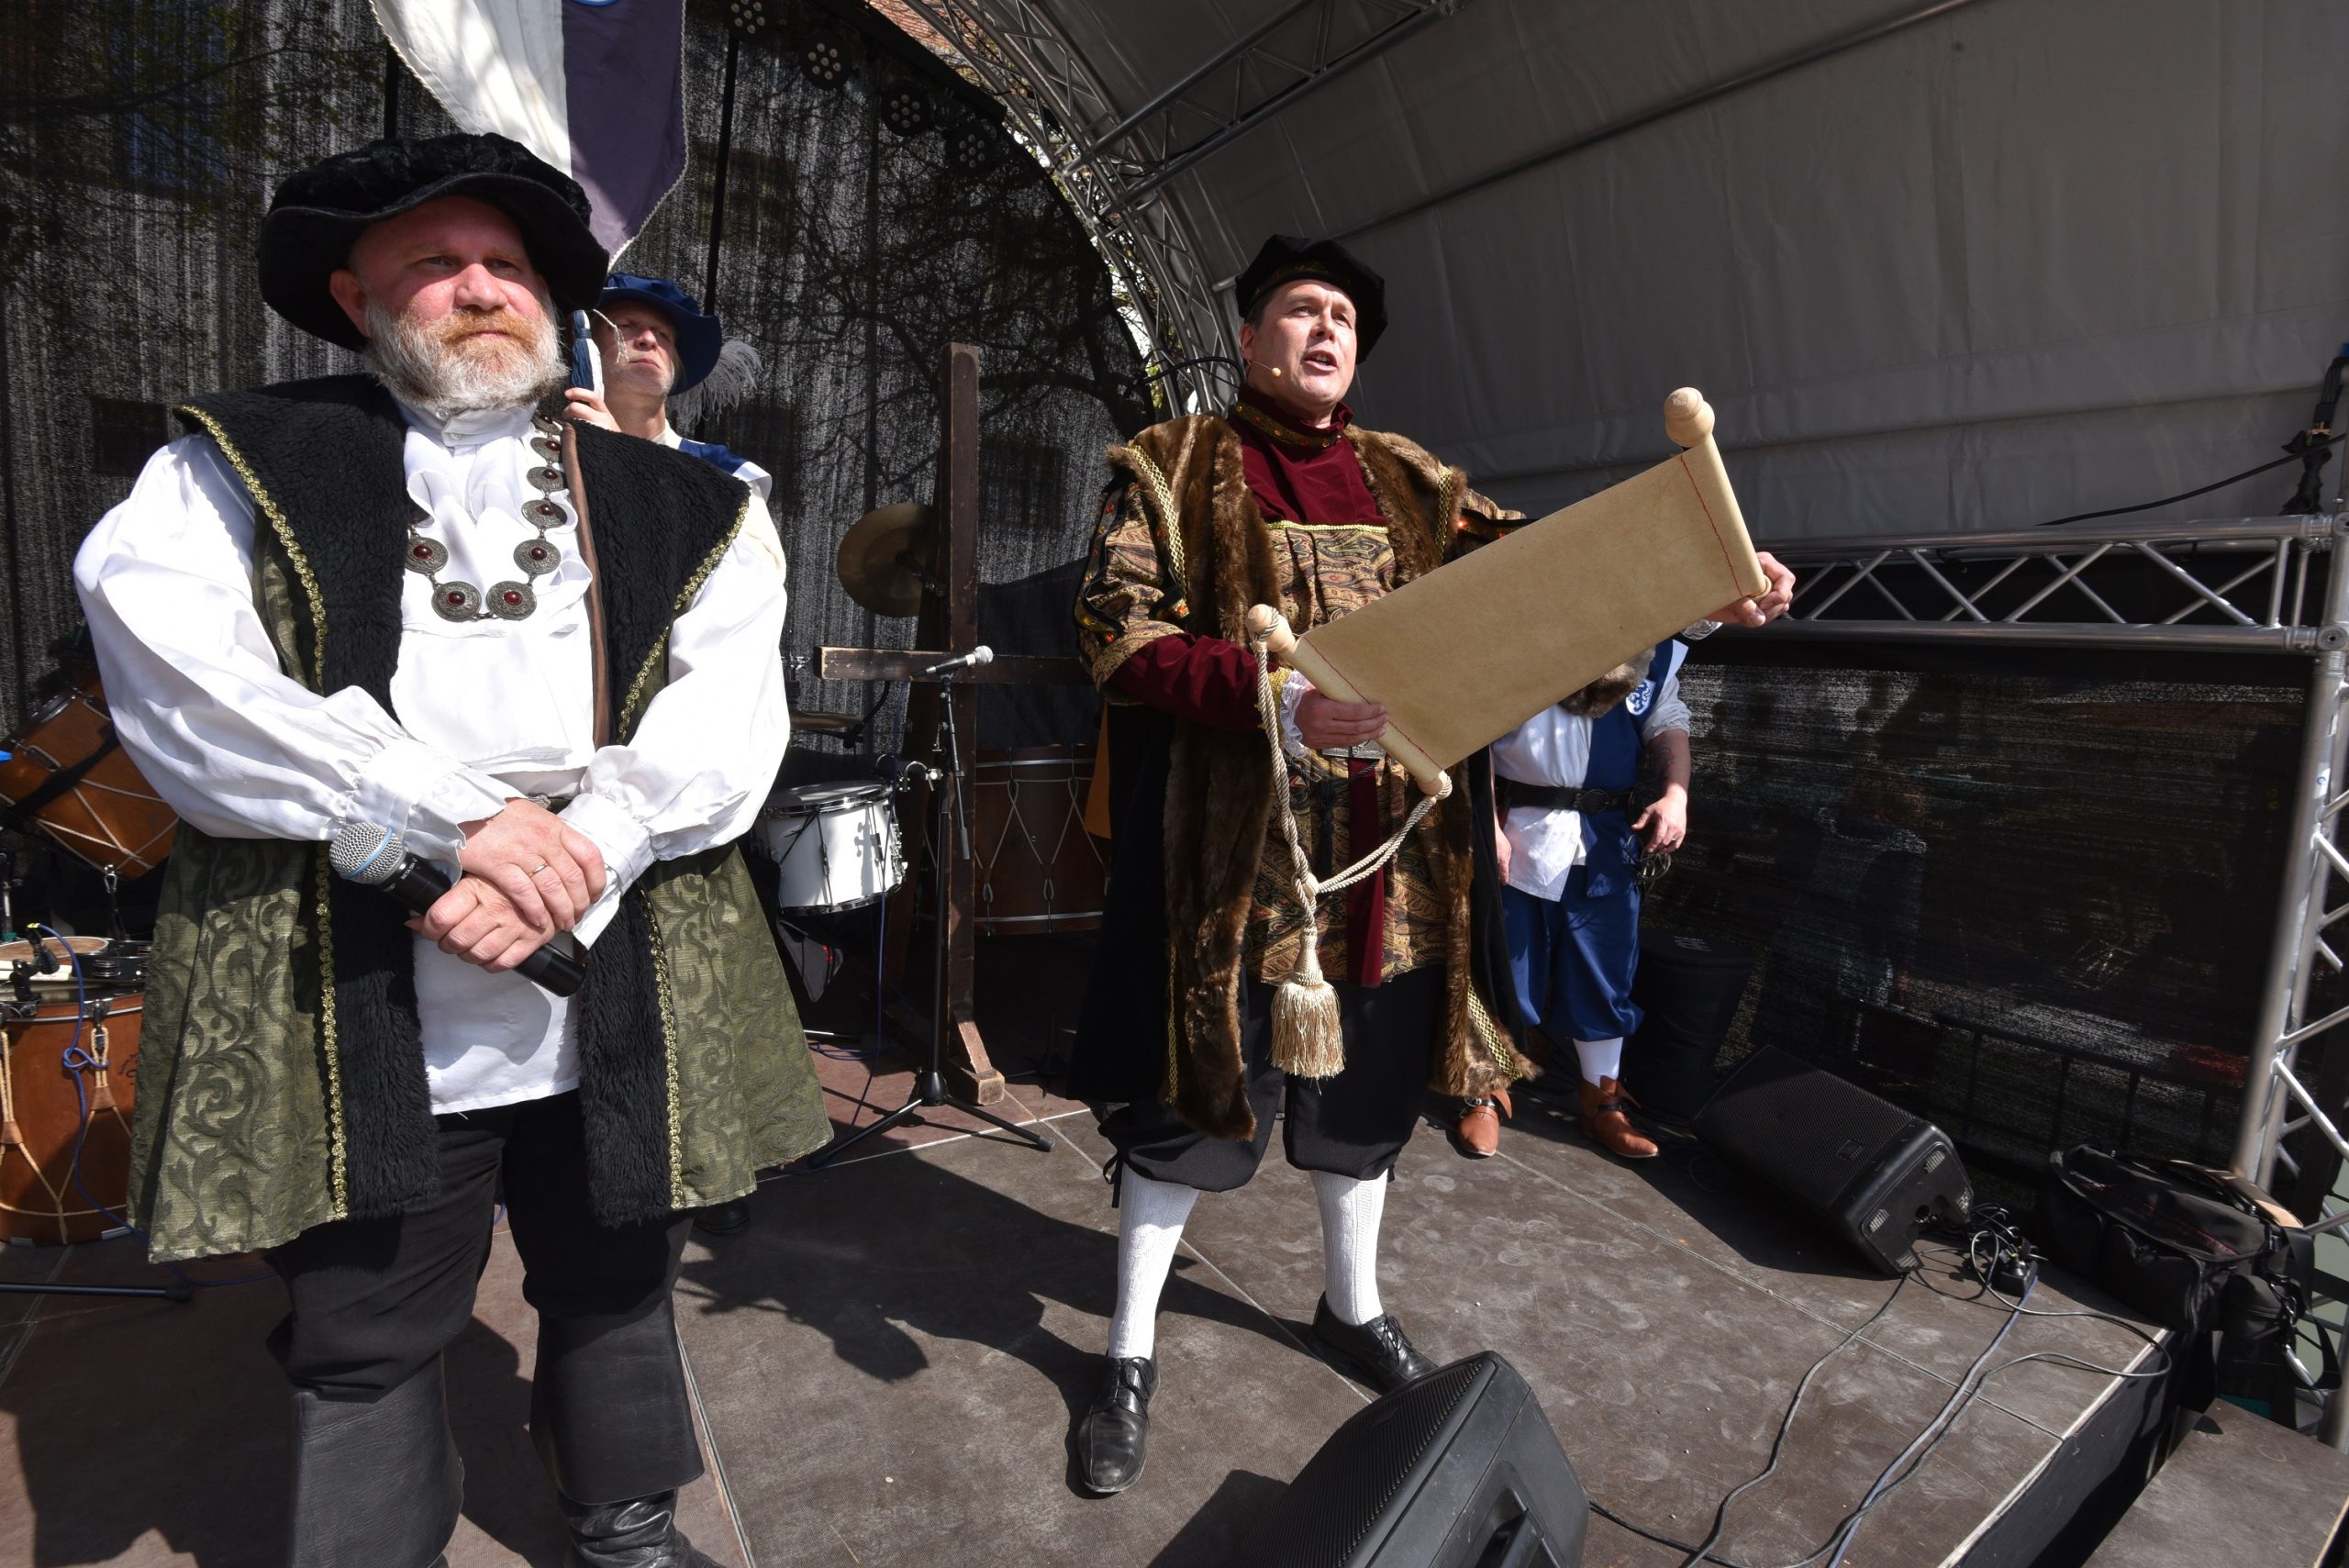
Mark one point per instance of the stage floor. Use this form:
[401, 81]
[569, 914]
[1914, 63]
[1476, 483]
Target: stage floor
[887, 1364]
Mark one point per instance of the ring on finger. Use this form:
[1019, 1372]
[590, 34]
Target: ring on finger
[539, 867]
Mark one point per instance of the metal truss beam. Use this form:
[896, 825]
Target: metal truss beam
[2234, 584]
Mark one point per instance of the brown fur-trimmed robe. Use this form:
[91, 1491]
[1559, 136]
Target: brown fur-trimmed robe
[1208, 531]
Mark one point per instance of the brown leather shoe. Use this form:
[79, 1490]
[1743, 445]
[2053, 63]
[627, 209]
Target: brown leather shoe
[1604, 1123]
[1480, 1124]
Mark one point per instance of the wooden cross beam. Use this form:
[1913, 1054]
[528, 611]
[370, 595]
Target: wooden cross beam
[948, 627]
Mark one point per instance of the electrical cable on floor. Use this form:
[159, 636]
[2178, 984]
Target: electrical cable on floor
[1701, 1552]
[2290, 457]
[1992, 1228]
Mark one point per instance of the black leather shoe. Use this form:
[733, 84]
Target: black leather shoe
[1377, 1352]
[729, 1218]
[640, 1533]
[1110, 1436]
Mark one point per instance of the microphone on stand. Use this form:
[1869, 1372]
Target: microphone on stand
[982, 654]
[375, 857]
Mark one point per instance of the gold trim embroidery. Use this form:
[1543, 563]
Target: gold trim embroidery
[284, 530]
[678, 1194]
[633, 704]
[1170, 525]
[338, 1154]
[1488, 1034]
[336, 1158]
[1174, 1048]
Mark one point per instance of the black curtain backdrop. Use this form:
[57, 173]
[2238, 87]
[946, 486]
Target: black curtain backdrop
[875, 209]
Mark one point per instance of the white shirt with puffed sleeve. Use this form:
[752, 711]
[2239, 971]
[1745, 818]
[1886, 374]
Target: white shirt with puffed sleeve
[487, 710]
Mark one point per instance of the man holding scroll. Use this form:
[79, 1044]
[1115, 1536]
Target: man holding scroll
[1285, 502]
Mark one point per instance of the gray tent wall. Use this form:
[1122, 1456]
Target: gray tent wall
[2026, 258]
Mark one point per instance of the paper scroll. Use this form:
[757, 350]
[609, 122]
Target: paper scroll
[1467, 653]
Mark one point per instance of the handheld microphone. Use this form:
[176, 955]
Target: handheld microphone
[982, 654]
[375, 857]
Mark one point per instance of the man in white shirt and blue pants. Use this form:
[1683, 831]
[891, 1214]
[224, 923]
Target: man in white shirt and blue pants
[1570, 849]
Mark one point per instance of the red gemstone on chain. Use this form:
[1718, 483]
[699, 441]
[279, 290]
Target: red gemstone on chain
[453, 596]
[512, 597]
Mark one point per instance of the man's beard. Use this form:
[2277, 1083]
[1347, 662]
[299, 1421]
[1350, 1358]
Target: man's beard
[436, 369]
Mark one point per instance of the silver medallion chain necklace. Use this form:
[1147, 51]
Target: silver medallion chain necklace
[509, 600]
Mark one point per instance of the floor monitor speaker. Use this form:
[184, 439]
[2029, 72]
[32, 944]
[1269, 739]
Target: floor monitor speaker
[1688, 987]
[1867, 1169]
[1459, 1470]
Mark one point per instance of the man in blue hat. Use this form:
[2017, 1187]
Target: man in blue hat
[656, 341]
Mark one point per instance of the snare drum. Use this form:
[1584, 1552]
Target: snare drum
[835, 844]
[69, 777]
[1036, 868]
[16, 956]
[40, 1116]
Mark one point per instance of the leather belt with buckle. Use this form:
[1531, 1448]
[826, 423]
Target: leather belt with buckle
[1558, 797]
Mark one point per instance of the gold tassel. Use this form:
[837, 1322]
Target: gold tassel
[1306, 1040]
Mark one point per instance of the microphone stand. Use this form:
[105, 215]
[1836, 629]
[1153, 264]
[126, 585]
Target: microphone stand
[929, 1084]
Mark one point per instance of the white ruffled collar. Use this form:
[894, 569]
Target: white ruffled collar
[472, 428]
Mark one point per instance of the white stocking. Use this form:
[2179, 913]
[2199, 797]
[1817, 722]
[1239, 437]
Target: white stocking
[1350, 1215]
[1151, 1216]
[1599, 1059]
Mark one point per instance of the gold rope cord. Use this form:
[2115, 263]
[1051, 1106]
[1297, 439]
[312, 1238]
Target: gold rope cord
[1305, 978]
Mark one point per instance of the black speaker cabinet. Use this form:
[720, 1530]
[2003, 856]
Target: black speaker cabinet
[1459, 1470]
[1688, 987]
[1865, 1167]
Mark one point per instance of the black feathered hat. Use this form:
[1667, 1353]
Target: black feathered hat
[319, 212]
[1285, 258]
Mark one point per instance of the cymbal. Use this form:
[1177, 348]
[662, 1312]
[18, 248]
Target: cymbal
[812, 721]
[876, 557]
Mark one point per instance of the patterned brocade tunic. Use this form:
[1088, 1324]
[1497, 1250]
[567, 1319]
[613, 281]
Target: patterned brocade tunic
[1327, 569]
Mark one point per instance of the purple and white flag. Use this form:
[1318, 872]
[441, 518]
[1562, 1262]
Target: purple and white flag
[592, 86]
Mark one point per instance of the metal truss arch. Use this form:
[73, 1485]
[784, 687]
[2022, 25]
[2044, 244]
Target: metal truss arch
[1057, 104]
[1116, 166]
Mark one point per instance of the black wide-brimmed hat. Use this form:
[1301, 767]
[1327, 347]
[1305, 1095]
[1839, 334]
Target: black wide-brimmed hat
[319, 212]
[1285, 258]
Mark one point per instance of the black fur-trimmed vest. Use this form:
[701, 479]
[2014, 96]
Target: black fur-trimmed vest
[257, 936]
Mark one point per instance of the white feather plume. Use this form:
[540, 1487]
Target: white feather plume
[735, 373]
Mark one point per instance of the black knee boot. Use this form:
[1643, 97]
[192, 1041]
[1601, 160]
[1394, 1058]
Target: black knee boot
[376, 1483]
[640, 1533]
[612, 1420]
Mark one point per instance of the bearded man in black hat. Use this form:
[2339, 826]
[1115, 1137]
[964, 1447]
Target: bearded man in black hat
[410, 612]
[1283, 502]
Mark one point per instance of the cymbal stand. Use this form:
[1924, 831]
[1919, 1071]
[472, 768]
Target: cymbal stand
[929, 1084]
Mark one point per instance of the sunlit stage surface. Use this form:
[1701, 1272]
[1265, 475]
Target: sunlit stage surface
[887, 1362]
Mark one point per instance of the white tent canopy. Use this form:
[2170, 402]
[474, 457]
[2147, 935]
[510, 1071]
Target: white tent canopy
[2019, 258]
